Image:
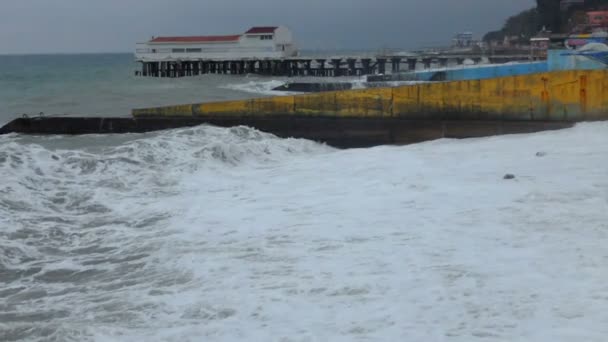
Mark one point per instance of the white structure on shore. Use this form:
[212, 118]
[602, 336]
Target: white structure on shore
[256, 43]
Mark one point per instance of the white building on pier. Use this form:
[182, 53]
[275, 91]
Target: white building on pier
[268, 42]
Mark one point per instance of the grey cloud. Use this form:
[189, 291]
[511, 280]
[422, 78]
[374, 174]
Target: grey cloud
[115, 25]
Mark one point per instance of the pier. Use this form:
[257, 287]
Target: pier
[314, 66]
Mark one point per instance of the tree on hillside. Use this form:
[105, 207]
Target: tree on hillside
[552, 17]
[524, 26]
[596, 4]
[550, 14]
[547, 14]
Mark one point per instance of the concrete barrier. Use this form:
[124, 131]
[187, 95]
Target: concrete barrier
[573, 95]
[368, 117]
[338, 132]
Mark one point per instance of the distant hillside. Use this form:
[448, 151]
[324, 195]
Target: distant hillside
[547, 14]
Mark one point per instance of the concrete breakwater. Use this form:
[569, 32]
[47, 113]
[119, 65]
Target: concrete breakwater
[573, 95]
[391, 115]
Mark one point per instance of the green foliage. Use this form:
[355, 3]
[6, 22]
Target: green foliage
[523, 26]
[550, 13]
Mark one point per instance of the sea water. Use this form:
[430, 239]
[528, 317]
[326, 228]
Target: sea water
[232, 234]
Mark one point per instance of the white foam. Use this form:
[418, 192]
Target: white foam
[259, 87]
[231, 234]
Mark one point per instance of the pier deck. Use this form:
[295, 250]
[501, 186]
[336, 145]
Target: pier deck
[312, 66]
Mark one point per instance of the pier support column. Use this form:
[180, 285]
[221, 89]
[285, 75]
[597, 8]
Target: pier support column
[396, 65]
[295, 68]
[336, 62]
[352, 66]
[366, 64]
[274, 67]
[427, 62]
[381, 65]
[307, 67]
[321, 68]
[264, 67]
[285, 68]
[251, 67]
[411, 64]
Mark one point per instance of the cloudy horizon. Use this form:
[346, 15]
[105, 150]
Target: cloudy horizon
[71, 26]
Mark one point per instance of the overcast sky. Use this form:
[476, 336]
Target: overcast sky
[40, 26]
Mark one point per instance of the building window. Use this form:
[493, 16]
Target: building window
[194, 50]
[266, 37]
[178, 50]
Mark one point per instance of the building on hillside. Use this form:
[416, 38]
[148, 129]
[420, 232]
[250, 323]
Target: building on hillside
[539, 46]
[256, 43]
[463, 40]
[597, 19]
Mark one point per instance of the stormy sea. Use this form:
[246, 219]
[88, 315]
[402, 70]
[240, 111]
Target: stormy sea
[232, 234]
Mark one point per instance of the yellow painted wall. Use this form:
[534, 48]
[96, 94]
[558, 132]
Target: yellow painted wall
[563, 95]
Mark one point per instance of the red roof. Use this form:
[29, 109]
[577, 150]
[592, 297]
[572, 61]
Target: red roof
[262, 29]
[196, 39]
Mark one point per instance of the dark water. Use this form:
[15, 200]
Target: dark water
[102, 84]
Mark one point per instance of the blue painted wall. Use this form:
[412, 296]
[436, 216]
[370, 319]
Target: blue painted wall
[556, 60]
[481, 72]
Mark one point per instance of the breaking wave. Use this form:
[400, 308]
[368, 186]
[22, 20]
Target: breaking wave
[94, 220]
